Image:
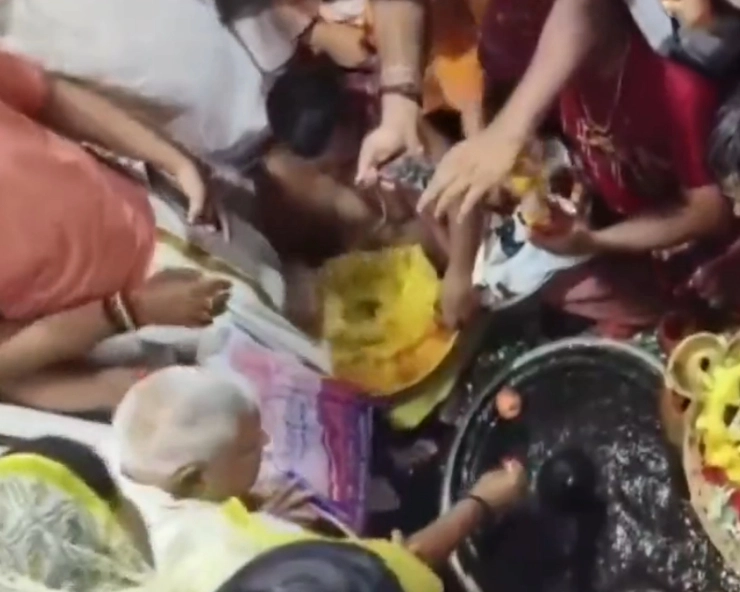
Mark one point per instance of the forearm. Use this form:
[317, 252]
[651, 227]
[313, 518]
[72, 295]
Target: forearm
[71, 388]
[294, 18]
[465, 238]
[663, 230]
[569, 34]
[435, 543]
[77, 112]
[61, 337]
[399, 37]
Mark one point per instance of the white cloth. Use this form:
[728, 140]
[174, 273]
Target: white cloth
[500, 276]
[246, 311]
[174, 54]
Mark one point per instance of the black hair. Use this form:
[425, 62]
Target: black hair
[82, 460]
[724, 142]
[315, 566]
[304, 106]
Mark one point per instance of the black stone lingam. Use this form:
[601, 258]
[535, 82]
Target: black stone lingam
[603, 514]
[567, 481]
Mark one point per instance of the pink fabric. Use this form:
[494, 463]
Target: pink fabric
[72, 230]
[615, 291]
[320, 430]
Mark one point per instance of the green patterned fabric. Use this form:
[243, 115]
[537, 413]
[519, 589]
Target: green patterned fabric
[49, 539]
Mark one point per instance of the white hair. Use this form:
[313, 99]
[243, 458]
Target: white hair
[176, 417]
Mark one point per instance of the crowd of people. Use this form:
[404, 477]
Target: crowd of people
[217, 152]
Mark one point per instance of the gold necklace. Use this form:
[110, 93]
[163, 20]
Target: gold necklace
[599, 135]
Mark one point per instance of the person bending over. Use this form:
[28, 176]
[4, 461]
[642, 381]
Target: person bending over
[312, 118]
[640, 124]
[82, 238]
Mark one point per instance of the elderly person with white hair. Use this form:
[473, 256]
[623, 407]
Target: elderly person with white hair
[197, 438]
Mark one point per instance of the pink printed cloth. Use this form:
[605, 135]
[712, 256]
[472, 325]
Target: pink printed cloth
[320, 429]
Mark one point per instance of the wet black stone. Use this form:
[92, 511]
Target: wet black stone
[638, 534]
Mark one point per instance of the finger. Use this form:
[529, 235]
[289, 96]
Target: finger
[213, 286]
[203, 319]
[222, 219]
[414, 145]
[472, 198]
[196, 204]
[367, 162]
[219, 304]
[452, 194]
[437, 184]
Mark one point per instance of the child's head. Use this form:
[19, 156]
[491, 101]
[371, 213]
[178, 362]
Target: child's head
[315, 566]
[724, 146]
[304, 107]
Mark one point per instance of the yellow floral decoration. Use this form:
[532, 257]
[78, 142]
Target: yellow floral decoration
[380, 318]
[705, 368]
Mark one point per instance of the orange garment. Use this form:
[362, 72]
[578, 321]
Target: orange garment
[453, 77]
[71, 229]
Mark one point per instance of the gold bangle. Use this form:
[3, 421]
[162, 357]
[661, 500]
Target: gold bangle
[123, 312]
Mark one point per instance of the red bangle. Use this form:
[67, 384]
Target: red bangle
[111, 313]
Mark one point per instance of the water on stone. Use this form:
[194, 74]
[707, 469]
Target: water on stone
[644, 538]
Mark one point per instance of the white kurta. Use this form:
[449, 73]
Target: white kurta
[174, 54]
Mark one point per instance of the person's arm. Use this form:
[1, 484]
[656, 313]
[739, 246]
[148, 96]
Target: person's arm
[399, 30]
[435, 543]
[704, 214]
[465, 238]
[495, 490]
[72, 388]
[57, 338]
[399, 38]
[569, 35]
[80, 113]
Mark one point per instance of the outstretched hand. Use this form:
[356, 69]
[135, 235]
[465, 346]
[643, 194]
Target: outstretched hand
[397, 134]
[470, 172]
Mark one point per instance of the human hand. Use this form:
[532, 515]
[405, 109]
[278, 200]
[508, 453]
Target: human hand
[470, 171]
[575, 240]
[458, 300]
[188, 179]
[345, 44]
[397, 134]
[180, 297]
[286, 499]
[501, 487]
[713, 282]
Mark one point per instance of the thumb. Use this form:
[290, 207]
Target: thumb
[195, 208]
[367, 161]
[414, 145]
